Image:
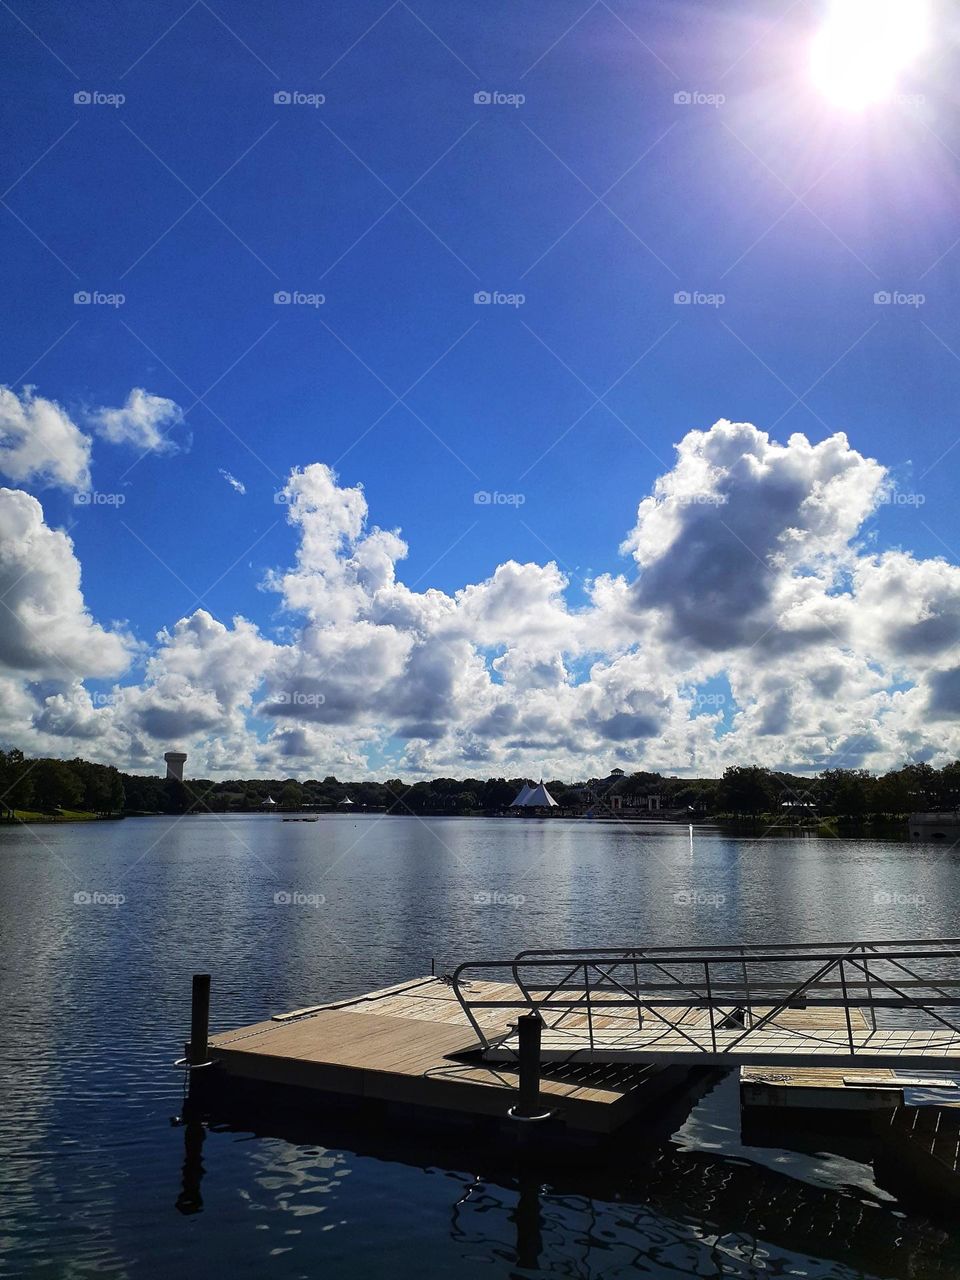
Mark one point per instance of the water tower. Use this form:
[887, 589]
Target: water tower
[175, 762]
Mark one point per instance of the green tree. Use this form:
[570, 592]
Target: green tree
[57, 786]
[291, 794]
[746, 789]
[843, 792]
[16, 781]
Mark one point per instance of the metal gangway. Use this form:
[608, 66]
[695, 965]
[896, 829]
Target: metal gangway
[849, 1004]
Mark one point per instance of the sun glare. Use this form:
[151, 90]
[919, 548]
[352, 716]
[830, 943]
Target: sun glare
[864, 46]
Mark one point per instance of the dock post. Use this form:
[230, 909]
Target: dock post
[528, 1039]
[196, 1048]
[529, 1106]
[199, 1018]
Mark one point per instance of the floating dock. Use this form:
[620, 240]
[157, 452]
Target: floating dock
[412, 1045]
[589, 1040]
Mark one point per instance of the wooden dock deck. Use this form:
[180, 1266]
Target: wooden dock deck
[405, 1044]
[411, 1044]
[797, 1038]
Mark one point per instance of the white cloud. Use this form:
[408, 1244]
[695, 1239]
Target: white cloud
[749, 573]
[233, 481]
[46, 630]
[39, 443]
[145, 422]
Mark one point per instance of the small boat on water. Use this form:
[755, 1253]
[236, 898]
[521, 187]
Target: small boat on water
[311, 818]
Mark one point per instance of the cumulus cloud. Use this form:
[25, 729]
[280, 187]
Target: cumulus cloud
[46, 630]
[39, 442]
[145, 422]
[748, 575]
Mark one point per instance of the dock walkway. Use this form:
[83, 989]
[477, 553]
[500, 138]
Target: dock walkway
[405, 1044]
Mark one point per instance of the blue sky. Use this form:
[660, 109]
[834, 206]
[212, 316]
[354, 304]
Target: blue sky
[598, 198]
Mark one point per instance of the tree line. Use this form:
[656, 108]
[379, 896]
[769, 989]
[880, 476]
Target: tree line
[49, 785]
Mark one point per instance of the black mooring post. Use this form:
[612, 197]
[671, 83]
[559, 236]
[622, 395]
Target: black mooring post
[199, 1018]
[528, 1040]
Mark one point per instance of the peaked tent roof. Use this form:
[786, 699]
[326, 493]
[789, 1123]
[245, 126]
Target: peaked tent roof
[537, 797]
[540, 798]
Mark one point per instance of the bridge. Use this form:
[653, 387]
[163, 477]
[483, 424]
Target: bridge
[865, 1004]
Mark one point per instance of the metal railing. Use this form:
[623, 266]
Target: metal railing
[743, 987]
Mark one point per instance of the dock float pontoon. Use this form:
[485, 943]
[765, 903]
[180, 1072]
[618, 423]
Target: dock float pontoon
[591, 1037]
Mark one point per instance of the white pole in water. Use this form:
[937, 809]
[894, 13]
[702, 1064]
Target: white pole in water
[690, 829]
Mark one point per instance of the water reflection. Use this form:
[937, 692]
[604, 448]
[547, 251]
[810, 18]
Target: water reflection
[96, 1002]
[190, 1200]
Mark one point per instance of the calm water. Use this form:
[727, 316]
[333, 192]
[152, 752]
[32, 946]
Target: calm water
[95, 996]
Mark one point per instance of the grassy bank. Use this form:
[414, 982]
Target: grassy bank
[60, 815]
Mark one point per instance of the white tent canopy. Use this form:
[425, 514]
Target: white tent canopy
[537, 797]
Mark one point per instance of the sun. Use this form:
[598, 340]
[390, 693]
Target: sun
[864, 46]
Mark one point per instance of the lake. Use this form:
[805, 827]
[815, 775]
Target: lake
[103, 924]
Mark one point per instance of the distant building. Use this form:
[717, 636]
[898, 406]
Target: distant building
[175, 762]
[269, 803]
[610, 795]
